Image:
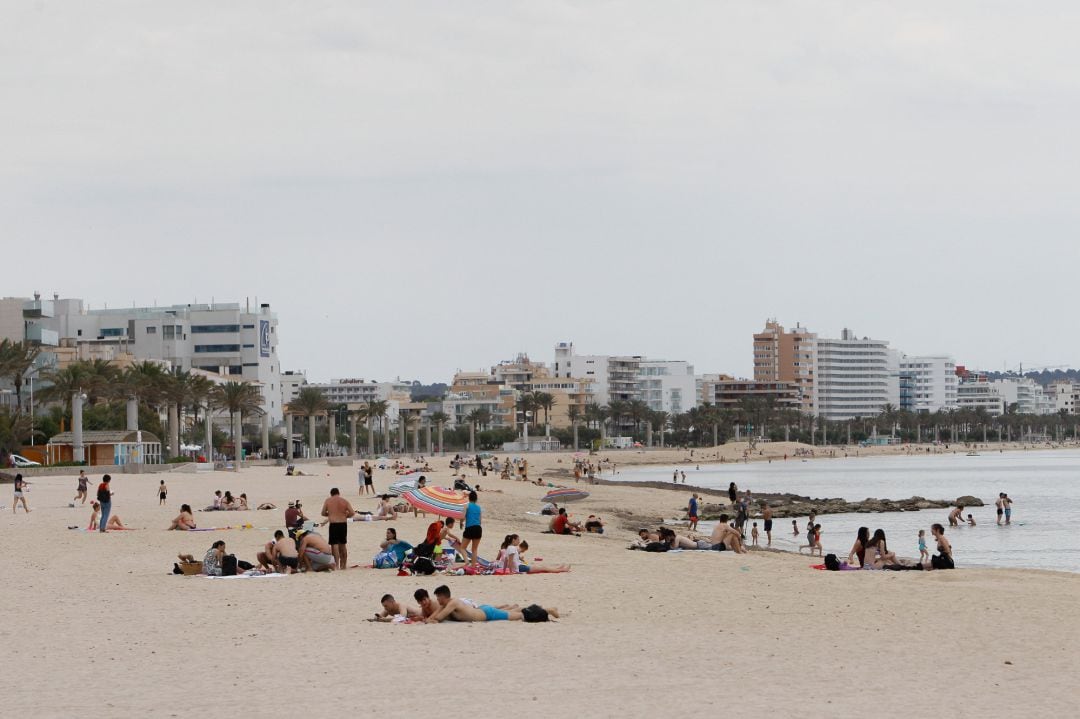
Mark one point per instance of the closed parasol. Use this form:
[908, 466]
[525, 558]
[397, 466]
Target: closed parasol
[437, 500]
[565, 495]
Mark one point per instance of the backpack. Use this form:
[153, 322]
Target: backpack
[424, 550]
[228, 565]
[832, 563]
[534, 613]
[423, 565]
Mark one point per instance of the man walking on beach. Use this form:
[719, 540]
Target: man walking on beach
[337, 511]
[692, 511]
[104, 498]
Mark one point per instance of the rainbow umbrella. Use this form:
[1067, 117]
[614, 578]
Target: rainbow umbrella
[565, 495]
[437, 500]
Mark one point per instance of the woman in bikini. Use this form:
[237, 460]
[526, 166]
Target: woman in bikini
[877, 554]
[943, 559]
[184, 521]
[858, 550]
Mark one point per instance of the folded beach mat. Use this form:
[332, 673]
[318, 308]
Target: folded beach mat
[250, 576]
[845, 567]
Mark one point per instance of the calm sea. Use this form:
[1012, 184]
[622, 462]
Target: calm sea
[1044, 487]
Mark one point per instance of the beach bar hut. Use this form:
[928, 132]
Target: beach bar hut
[107, 447]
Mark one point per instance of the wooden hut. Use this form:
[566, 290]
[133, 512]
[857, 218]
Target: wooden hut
[107, 447]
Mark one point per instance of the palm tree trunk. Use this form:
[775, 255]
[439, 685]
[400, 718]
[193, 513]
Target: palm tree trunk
[427, 429]
[472, 437]
[174, 430]
[238, 440]
[575, 436]
[371, 436]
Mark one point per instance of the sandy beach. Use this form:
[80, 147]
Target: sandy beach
[97, 626]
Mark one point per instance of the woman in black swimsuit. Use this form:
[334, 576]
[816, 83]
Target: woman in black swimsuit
[943, 559]
[732, 493]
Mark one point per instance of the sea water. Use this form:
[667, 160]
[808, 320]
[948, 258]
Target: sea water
[1044, 487]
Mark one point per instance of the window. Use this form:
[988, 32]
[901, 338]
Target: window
[168, 332]
[236, 369]
[249, 347]
[249, 327]
[112, 332]
[208, 329]
[151, 330]
[216, 348]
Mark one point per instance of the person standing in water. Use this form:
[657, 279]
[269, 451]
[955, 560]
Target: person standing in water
[1007, 503]
[1000, 505]
[766, 516]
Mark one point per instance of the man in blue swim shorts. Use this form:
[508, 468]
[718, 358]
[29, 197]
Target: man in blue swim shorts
[464, 610]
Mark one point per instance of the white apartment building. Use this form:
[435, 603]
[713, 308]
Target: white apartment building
[239, 342]
[854, 377]
[1064, 396]
[357, 391]
[930, 381]
[975, 395]
[1026, 394]
[667, 386]
[614, 378]
[291, 382]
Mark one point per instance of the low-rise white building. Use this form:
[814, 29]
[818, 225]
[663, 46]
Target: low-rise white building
[667, 386]
[614, 378]
[1025, 393]
[1064, 396]
[980, 395]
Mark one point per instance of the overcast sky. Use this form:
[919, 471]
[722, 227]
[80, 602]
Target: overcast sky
[421, 187]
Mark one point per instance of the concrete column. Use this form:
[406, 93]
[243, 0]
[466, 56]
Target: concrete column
[416, 440]
[266, 435]
[332, 427]
[174, 430]
[132, 414]
[288, 437]
[352, 435]
[78, 454]
[648, 435]
[430, 449]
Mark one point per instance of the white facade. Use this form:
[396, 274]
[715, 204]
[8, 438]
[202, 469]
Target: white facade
[1026, 394]
[291, 382]
[1063, 396]
[854, 377]
[615, 378]
[932, 380]
[667, 386]
[356, 390]
[236, 341]
[975, 395]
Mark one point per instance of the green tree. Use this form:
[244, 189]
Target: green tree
[16, 359]
[238, 399]
[440, 419]
[309, 402]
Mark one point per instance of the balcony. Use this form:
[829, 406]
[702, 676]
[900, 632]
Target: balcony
[42, 336]
[37, 309]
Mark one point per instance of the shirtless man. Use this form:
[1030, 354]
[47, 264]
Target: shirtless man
[464, 610]
[314, 552]
[392, 609]
[427, 606]
[1000, 505]
[766, 516]
[283, 553]
[956, 515]
[337, 511]
[725, 537]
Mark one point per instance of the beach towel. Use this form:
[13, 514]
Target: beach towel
[249, 576]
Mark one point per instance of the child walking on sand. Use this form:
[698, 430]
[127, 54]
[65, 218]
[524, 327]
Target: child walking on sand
[754, 535]
[924, 556]
[163, 492]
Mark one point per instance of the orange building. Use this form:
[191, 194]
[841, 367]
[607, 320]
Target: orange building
[781, 356]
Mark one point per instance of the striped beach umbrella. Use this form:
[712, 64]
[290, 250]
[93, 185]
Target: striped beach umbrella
[437, 500]
[398, 488]
[565, 495]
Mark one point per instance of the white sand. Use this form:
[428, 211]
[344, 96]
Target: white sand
[96, 626]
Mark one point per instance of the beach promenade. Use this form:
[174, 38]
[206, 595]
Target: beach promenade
[96, 626]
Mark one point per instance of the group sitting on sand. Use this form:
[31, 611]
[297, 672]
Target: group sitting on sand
[872, 552]
[227, 502]
[446, 608]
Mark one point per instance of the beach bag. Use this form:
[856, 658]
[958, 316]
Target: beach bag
[423, 565]
[657, 547]
[832, 563]
[534, 613]
[228, 565]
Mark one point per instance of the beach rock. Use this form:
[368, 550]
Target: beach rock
[968, 501]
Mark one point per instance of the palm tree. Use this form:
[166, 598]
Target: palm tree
[472, 418]
[574, 414]
[638, 411]
[238, 399]
[16, 359]
[617, 410]
[377, 413]
[405, 420]
[526, 404]
[659, 422]
[545, 401]
[602, 414]
[310, 402]
[440, 418]
[14, 426]
[356, 416]
[199, 388]
[175, 392]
